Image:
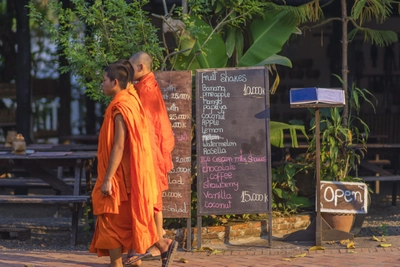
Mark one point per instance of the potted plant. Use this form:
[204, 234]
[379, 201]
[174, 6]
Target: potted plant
[339, 156]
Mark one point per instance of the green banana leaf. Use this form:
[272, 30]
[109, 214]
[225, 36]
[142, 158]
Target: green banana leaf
[276, 59]
[269, 35]
[239, 43]
[187, 42]
[206, 52]
[230, 41]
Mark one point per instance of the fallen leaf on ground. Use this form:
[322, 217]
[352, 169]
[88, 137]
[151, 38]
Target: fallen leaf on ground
[344, 242]
[351, 251]
[385, 245]
[351, 245]
[203, 249]
[299, 255]
[215, 251]
[286, 259]
[183, 260]
[316, 248]
[207, 248]
[382, 239]
[374, 238]
[330, 242]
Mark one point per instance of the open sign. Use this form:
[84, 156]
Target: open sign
[343, 197]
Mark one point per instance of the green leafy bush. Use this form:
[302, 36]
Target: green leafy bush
[286, 199]
[94, 35]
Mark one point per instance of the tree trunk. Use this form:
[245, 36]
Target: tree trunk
[90, 117]
[23, 76]
[64, 126]
[8, 39]
[345, 68]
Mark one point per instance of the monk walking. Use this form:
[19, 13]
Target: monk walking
[125, 191]
[161, 137]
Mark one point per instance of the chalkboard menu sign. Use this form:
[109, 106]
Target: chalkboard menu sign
[343, 197]
[232, 134]
[176, 88]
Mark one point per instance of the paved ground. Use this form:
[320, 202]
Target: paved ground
[254, 252]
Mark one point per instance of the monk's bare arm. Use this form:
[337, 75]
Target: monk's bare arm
[116, 153]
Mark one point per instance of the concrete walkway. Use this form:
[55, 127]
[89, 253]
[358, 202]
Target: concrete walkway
[255, 252]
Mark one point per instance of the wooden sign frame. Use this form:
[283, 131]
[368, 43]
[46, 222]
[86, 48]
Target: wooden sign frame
[233, 143]
[176, 89]
[233, 148]
[343, 197]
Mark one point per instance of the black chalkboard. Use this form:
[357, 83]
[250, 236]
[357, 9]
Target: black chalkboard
[232, 134]
[176, 88]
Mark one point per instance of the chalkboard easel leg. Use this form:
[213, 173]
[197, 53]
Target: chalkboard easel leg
[199, 224]
[189, 234]
[270, 229]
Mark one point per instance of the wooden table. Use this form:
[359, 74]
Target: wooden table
[54, 147]
[378, 156]
[374, 154]
[40, 165]
[80, 139]
[374, 160]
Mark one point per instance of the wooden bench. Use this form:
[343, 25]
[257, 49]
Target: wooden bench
[25, 183]
[379, 163]
[385, 178]
[75, 202]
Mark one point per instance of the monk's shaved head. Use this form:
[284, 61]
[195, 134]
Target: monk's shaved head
[141, 63]
[141, 58]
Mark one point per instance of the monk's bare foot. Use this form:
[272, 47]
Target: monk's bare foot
[163, 244]
[167, 257]
[116, 264]
[155, 252]
[136, 263]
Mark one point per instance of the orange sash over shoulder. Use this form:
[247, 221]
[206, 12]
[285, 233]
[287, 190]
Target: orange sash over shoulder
[162, 136]
[142, 179]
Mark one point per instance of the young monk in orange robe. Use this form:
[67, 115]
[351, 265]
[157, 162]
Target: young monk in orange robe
[125, 191]
[161, 134]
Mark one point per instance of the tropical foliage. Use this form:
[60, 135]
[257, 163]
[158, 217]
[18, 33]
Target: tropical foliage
[285, 194]
[214, 34]
[94, 35]
[209, 50]
[361, 12]
[233, 34]
[342, 145]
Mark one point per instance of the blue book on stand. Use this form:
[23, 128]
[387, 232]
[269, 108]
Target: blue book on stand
[310, 95]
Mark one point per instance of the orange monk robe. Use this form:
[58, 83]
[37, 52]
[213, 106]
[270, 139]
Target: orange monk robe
[134, 189]
[161, 134]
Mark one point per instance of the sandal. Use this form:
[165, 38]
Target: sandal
[168, 256]
[131, 259]
[155, 253]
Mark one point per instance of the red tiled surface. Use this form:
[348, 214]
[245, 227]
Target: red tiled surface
[367, 253]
